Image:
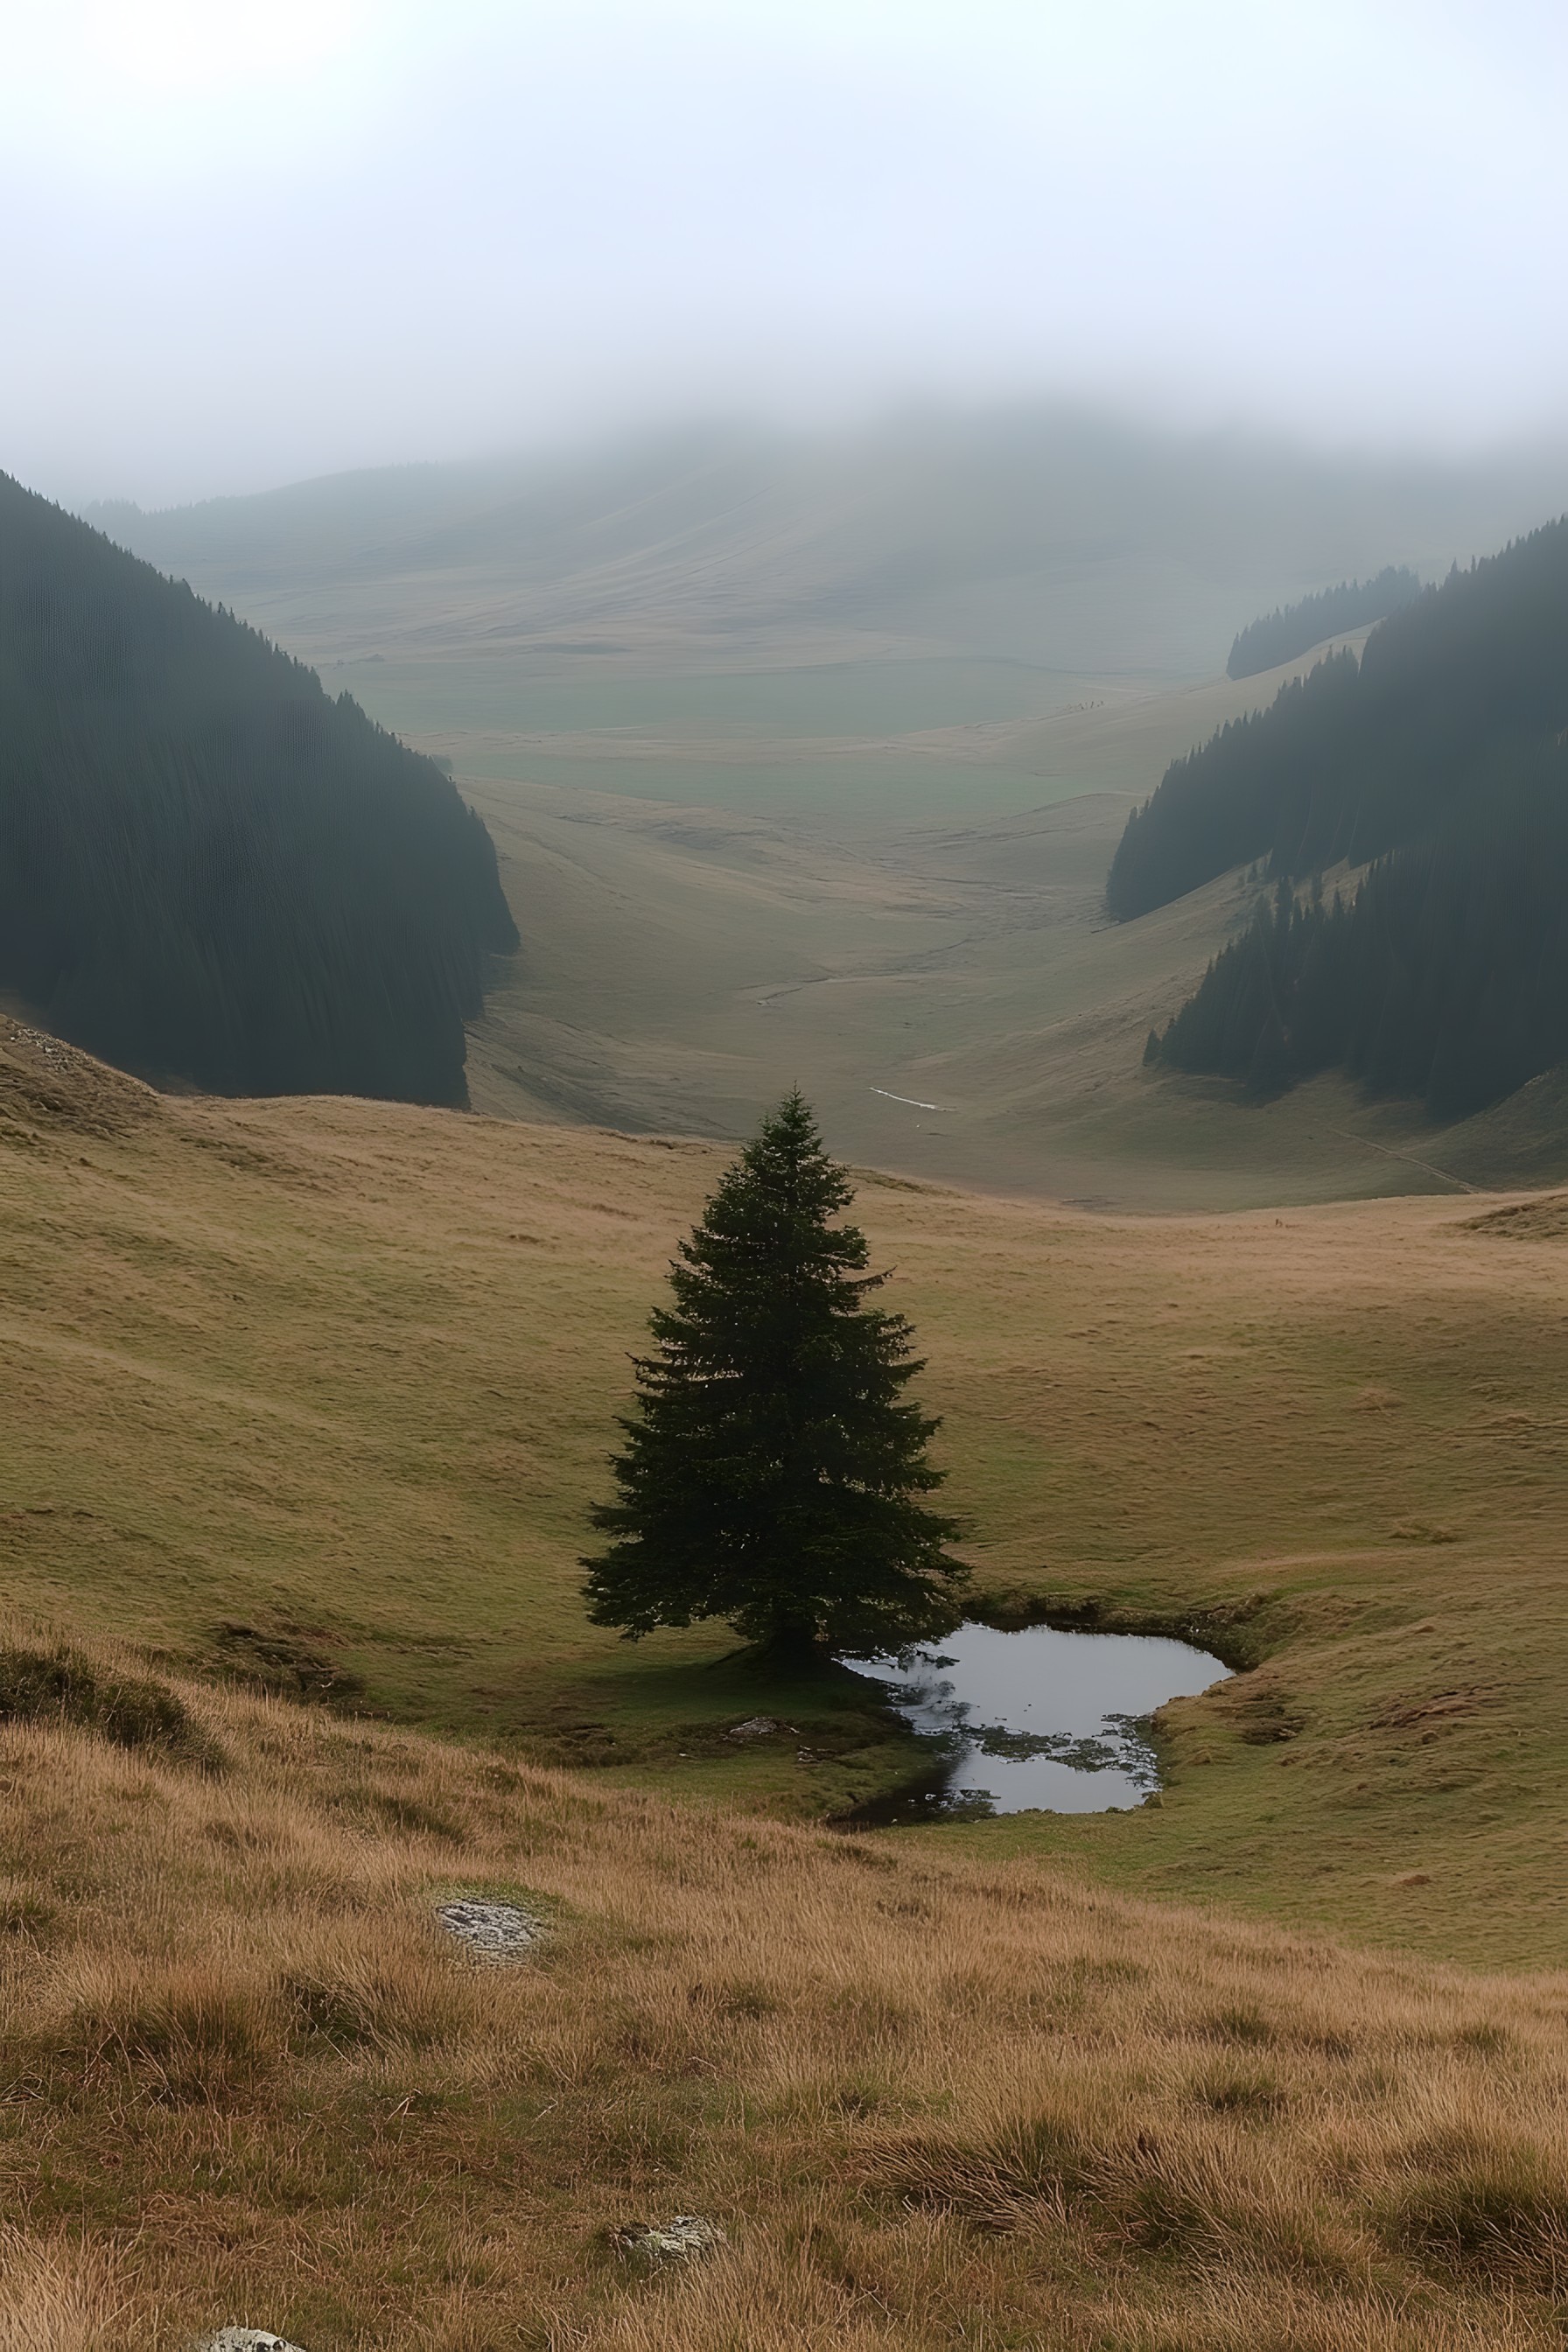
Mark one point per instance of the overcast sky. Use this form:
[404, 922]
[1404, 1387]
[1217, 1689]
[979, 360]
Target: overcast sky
[244, 243]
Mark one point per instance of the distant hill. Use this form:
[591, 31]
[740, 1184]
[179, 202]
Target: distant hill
[1038, 534]
[1442, 759]
[210, 869]
[1283, 636]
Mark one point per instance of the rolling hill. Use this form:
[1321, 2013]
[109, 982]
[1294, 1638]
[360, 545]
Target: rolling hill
[315, 1394]
[306, 1399]
[951, 994]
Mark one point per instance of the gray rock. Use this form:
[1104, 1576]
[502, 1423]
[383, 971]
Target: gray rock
[756, 1727]
[683, 2240]
[243, 2339]
[497, 1932]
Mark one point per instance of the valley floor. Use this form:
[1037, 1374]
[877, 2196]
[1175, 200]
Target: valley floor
[953, 1002]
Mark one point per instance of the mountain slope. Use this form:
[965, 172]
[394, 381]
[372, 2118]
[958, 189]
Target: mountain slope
[1441, 756]
[209, 869]
[1045, 536]
[1283, 636]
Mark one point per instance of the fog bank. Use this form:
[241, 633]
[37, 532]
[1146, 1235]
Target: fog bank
[250, 245]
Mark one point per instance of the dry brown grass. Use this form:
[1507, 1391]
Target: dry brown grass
[320, 1392]
[933, 2100]
[60, 2295]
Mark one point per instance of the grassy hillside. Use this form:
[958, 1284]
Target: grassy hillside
[932, 2098]
[316, 1391]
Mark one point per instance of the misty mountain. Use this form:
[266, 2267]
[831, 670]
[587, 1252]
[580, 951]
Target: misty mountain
[209, 868]
[1283, 636]
[1040, 534]
[1441, 760]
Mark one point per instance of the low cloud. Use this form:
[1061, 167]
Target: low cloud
[257, 243]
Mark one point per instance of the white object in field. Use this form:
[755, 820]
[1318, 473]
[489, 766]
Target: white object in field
[492, 1931]
[245, 2339]
[682, 2240]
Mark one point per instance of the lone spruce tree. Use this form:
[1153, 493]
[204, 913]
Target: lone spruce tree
[773, 1467]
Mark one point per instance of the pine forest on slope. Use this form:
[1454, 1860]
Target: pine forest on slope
[209, 868]
[1281, 636]
[1441, 757]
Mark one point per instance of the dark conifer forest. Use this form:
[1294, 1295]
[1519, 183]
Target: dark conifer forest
[1283, 635]
[1441, 764]
[209, 868]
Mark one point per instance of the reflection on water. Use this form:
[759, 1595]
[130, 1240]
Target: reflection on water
[1032, 1720]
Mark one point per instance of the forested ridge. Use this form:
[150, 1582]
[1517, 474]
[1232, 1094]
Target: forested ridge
[1294, 629]
[209, 868]
[1358, 757]
[1441, 764]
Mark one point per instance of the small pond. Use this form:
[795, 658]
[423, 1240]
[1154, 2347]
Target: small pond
[1032, 1720]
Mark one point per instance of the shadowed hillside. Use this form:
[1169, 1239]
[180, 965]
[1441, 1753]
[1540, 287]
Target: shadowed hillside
[1284, 636]
[1440, 760]
[210, 869]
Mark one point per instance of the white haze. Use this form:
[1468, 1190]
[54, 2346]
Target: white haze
[246, 241]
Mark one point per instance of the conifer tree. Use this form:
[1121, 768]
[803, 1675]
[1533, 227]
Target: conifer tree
[773, 1469]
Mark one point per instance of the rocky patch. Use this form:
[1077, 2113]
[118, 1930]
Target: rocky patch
[685, 2239]
[497, 1933]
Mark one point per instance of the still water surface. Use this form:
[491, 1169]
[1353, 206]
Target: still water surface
[1034, 1719]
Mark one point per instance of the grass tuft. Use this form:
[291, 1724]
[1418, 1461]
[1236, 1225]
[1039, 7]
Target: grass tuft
[1486, 2206]
[56, 2297]
[58, 1685]
[188, 2032]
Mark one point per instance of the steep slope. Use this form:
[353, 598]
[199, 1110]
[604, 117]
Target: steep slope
[920, 2098]
[1440, 755]
[1357, 757]
[1283, 636]
[209, 869]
